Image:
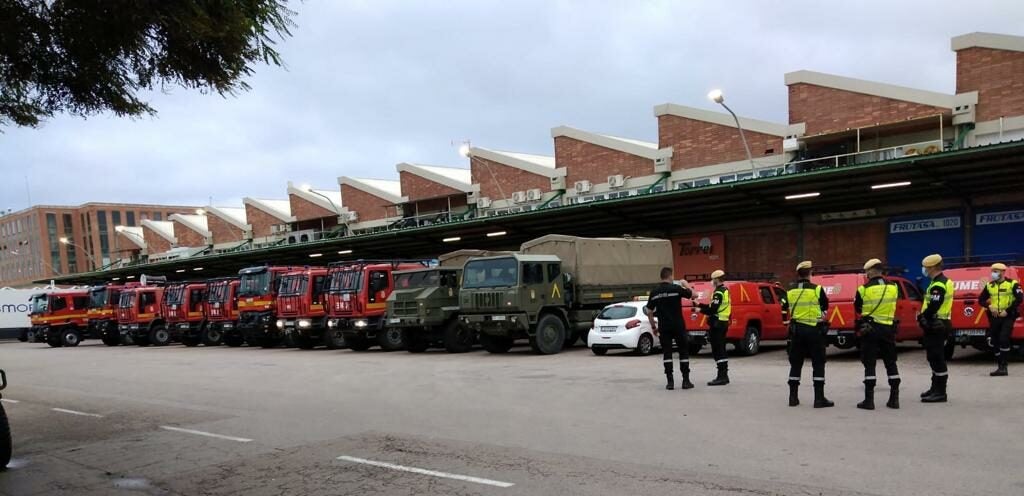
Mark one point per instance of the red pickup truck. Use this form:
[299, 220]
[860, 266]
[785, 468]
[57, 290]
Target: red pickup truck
[841, 288]
[756, 315]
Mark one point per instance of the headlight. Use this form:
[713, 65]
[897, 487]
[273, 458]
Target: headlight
[303, 323]
[280, 324]
[331, 324]
[359, 323]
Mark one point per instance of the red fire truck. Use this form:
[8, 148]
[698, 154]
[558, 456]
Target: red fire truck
[302, 309]
[841, 287]
[140, 317]
[357, 301]
[969, 319]
[185, 313]
[102, 312]
[222, 310]
[64, 318]
[756, 313]
[36, 308]
[257, 304]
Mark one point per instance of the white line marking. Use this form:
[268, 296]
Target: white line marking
[75, 412]
[423, 471]
[6, 400]
[207, 434]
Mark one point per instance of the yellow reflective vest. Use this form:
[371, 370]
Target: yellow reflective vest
[879, 301]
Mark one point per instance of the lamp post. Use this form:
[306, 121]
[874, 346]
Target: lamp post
[309, 189]
[65, 241]
[719, 98]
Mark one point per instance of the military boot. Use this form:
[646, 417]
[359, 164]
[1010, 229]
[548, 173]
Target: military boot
[723, 375]
[820, 401]
[869, 398]
[894, 394]
[794, 397]
[670, 383]
[1001, 367]
[938, 390]
[686, 378]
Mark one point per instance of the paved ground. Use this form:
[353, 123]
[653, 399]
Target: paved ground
[510, 425]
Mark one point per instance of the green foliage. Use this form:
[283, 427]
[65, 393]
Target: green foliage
[84, 57]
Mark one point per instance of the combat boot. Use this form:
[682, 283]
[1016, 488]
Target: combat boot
[869, 399]
[686, 380]
[794, 397]
[894, 395]
[820, 401]
[671, 382]
[723, 375]
[938, 391]
[1001, 367]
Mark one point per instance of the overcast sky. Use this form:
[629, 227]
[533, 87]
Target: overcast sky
[372, 83]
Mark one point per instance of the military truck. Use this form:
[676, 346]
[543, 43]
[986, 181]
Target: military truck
[424, 305]
[552, 289]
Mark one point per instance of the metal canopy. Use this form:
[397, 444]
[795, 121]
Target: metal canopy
[961, 174]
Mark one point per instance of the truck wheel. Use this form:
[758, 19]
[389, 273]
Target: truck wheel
[495, 344]
[111, 340]
[391, 339]
[159, 336]
[70, 337]
[358, 343]
[750, 344]
[211, 335]
[599, 351]
[550, 336]
[233, 340]
[457, 337]
[334, 340]
[416, 341]
[644, 345]
[949, 350]
[5, 439]
[190, 341]
[53, 339]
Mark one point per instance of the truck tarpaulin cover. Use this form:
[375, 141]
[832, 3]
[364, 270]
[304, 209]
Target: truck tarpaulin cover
[606, 261]
[459, 258]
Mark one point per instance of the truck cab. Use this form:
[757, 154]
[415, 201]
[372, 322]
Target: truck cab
[221, 308]
[65, 317]
[424, 305]
[357, 302]
[102, 318]
[301, 309]
[756, 315]
[37, 308]
[969, 318]
[841, 288]
[185, 313]
[257, 304]
[140, 316]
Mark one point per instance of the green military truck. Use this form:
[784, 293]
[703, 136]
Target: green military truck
[550, 291]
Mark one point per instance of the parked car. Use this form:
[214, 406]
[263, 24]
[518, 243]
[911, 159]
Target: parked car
[622, 326]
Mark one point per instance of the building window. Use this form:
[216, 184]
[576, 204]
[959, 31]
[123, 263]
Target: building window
[70, 234]
[129, 218]
[101, 224]
[115, 220]
[742, 176]
[157, 216]
[52, 236]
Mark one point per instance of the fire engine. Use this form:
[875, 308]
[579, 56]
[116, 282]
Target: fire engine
[184, 311]
[64, 317]
[102, 312]
[257, 304]
[357, 301]
[222, 310]
[301, 309]
[140, 315]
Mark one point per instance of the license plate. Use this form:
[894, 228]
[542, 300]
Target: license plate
[609, 328]
[699, 333]
[498, 317]
[833, 332]
[970, 332]
[394, 320]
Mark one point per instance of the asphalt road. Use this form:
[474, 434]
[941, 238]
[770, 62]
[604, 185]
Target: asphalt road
[219, 421]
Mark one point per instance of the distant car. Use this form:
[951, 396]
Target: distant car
[622, 326]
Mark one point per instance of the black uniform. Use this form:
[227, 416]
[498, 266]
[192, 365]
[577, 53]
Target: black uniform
[666, 302]
[877, 340]
[807, 340]
[936, 330]
[717, 330]
[1000, 329]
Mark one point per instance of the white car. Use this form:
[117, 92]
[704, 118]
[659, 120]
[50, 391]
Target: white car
[622, 326]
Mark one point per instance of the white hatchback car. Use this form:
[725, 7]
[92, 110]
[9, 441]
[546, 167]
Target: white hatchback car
[622, 326]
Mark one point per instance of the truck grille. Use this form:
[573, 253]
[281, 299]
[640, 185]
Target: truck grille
[487, 300]
[405, 307]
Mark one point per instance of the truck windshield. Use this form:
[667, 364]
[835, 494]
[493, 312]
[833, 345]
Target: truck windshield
[416, 280]
[39, 303]
[491, 273]
[127, 300]
[174, 295]
[292, 285]
[217, 293]
[346, 280]
[255, 284]
[98, 297]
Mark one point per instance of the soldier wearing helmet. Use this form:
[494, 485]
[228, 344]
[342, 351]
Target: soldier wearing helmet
[719, 311]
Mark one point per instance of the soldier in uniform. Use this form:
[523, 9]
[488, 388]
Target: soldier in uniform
[1002, 297]
[875, 307]
[934, 320]
[718, 311]
[665, 303]
[807, 305]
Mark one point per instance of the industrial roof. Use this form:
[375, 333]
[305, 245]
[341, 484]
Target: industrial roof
[723, 119]
[232, 215]
[631, 146]
[133, 234]
[387, 189]
[455, 178]
[163, 228]
[885, 90]
[194, 222]
[988, 40]
[542, 165]
[282, 209]
[326, 199]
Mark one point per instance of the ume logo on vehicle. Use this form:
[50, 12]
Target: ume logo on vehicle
[969, 285]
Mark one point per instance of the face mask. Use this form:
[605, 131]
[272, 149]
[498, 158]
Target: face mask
[924, 271]
[995, 276]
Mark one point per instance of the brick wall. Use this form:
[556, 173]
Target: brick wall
[223, 231]
[155, 243]
[415, 187]
[997, 76]
[763, 250]
[849, 243]
[260, 221]
[510, 179]
[828, 110]
[187, 237]
[696, 143]
[367, 206]
[595, 163]
[305, 210]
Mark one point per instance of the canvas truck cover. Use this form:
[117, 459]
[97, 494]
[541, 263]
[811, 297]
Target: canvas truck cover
[606, 261]
[458, 258]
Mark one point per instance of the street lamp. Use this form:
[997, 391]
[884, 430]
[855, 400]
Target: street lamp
[309, 189]
[719, 98]
[65, 241]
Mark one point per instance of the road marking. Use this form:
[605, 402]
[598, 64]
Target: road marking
[423, 471]
[5, 400]
[207, 434]
[75, 412]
